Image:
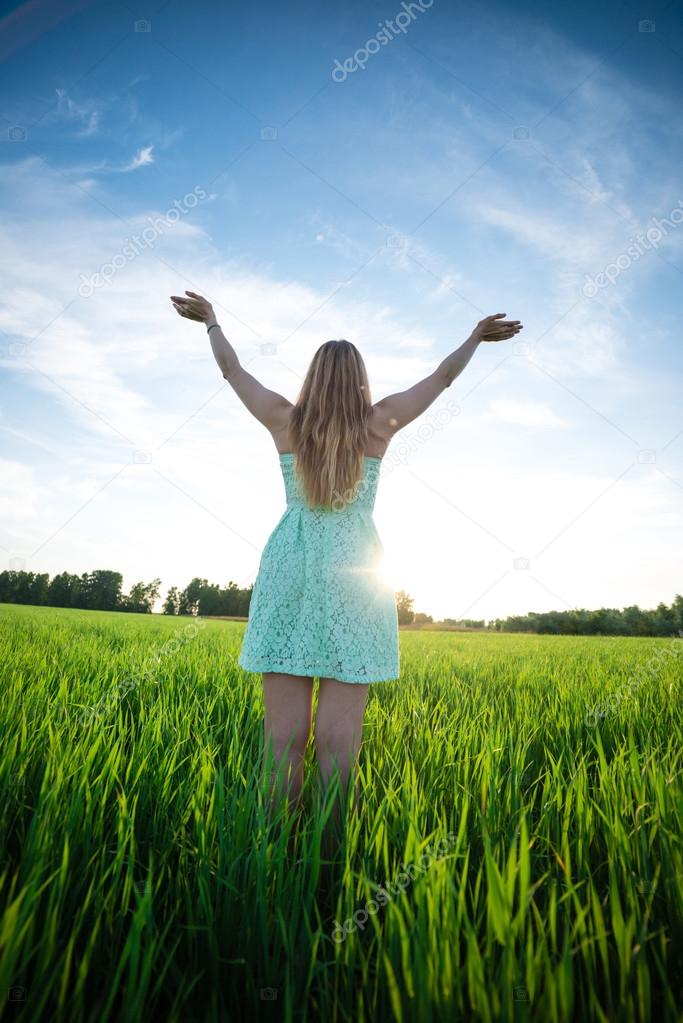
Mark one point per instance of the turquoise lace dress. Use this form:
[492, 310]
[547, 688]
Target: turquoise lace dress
[319, 606]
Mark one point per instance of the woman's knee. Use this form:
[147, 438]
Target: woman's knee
[292, 742]
[330, 740]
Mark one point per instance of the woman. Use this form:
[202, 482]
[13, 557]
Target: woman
[319, 608]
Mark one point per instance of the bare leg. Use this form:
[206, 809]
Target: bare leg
[286, 731]
[338, 730]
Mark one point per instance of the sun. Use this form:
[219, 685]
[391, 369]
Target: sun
[389, 571]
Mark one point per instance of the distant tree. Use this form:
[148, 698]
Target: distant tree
[190, 596]
[172, 600]
[19, 587]
[664, 620]
[39, 588]
[142, 597]
[208, 599]
[100, 590]
[235, 601]
[36, 587]
[404, 608]
[22, 587]
[468, 623]
[677, 608]
[64, 590]
[635, 620]
[422, 619]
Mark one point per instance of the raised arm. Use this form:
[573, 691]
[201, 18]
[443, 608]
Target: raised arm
[269, 407]
[397, 410]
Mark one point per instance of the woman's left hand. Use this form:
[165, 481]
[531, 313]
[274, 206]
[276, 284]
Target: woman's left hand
[193, 308]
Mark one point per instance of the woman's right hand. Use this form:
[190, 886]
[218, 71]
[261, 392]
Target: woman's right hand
[194, 308]
[495, 328]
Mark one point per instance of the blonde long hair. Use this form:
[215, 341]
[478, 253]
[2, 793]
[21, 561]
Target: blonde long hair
[329, 425]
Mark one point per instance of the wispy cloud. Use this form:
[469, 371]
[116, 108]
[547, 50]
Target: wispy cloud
[141, 159]
[85, 112]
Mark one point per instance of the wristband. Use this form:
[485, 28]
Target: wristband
[211, 327]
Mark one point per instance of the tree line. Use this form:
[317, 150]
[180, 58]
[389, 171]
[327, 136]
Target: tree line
[208, 599]
[664, 620]
[102, 590]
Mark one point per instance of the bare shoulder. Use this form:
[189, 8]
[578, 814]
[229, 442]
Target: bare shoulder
[280, 429]
[382, 421]
[381, 428]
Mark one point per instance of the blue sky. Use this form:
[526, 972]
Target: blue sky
[485, 159]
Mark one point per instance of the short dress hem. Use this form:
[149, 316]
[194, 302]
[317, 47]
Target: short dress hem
[269, 667]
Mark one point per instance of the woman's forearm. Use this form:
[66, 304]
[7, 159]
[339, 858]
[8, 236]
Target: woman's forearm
[453, 365]
[223, 352]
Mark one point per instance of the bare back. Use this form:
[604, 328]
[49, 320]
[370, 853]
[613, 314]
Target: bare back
[378, 436]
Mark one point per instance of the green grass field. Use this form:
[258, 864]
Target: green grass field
[513, 857]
